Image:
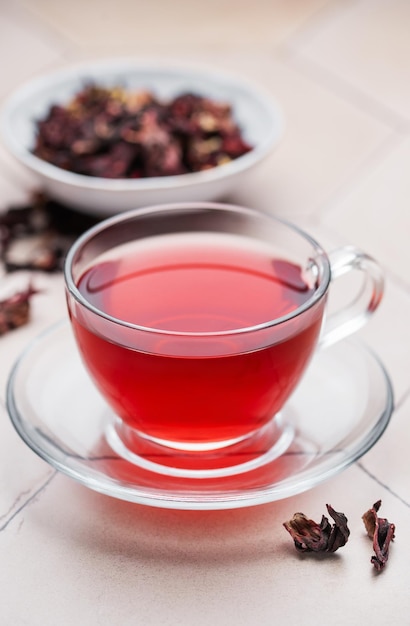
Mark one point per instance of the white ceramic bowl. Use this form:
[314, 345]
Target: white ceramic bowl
[257, 115]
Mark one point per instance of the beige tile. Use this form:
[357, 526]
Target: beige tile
[368, 46]
[327, 141]
[47, 307]
[387, 462]
[22, 473]
[160, 24]
[376, 215]
[388, 334]
[16, 183]
[10, 192]
[24, 51]
[103, 562]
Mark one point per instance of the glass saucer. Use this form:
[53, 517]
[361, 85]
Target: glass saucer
[338, 412]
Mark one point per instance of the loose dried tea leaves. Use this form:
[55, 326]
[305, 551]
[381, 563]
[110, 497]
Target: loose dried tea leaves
[15, 310]
[37, 236]
[381, 532]
[309, 536]
[114, 133]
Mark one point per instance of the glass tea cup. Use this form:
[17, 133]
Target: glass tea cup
[196, 322]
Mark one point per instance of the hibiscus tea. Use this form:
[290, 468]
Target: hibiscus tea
[195, 357]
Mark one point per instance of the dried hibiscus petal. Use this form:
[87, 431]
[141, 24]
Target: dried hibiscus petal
[15, 310]
[309, 536]
[381, 531]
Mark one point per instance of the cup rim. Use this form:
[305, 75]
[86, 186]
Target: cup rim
[73, 290]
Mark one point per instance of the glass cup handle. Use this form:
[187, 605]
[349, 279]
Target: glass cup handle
[355, 314]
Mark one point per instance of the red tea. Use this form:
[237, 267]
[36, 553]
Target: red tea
[197, 375]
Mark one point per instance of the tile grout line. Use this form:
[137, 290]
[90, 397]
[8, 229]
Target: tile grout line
[390, 275]
[382, 484]
[402, 400]
[318, 21]
[399, 127]
[381, 152]
[29, 500]
[14, 504]
[398, 282]
[343, 89]
[360, 465]
[368, 166]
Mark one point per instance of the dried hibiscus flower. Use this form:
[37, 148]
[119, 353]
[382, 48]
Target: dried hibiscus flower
[309, 536]
[115, 133]
[381, 531]
[15, 310]
[37, 236]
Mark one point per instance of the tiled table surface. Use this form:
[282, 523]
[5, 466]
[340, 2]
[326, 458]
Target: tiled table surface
[341, 73]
